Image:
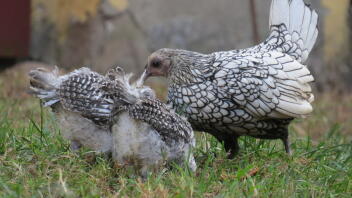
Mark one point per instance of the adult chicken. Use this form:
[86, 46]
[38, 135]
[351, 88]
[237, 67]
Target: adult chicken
[253, 92]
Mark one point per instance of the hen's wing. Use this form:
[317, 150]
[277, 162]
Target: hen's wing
[268, 84]
[269, 79]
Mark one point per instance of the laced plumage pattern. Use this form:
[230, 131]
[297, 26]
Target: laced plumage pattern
[255, 91]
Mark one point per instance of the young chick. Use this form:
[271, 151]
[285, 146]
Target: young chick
[108, 114]
[147, 134]
[81, 106]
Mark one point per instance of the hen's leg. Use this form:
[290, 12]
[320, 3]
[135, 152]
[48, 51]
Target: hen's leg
[286, 142]
[231, 146]
[230, 143]
[280, 132]
[285, 138]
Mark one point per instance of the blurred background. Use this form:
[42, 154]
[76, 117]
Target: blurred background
[104, 33]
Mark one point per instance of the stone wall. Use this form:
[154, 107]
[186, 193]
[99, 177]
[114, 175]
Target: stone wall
[97, 34]
[104, 33]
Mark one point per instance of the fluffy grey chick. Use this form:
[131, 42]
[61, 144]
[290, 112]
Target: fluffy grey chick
[147, 134]
[83, 104]
[92, 110]
[254, 92]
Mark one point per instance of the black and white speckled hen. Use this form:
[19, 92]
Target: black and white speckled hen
[108, 114]
[255, 91]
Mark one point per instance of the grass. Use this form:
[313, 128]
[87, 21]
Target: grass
[35, 161]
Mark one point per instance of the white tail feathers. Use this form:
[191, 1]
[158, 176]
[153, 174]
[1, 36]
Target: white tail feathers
[300, 21]
[43, 84]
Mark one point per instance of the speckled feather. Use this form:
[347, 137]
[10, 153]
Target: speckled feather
[83, 93]
[157, 114]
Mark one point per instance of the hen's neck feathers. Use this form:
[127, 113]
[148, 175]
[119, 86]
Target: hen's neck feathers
[188, 67]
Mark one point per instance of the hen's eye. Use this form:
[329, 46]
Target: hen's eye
[156, 63]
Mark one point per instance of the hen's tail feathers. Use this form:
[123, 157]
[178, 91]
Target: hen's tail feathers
[295, 23]
[43, 84]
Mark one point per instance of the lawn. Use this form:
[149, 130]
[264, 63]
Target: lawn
[36, 162]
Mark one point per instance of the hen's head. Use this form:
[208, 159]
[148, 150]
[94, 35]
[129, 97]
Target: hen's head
[168, 62]
[160, 62]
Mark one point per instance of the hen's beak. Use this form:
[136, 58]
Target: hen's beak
[143, 78]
